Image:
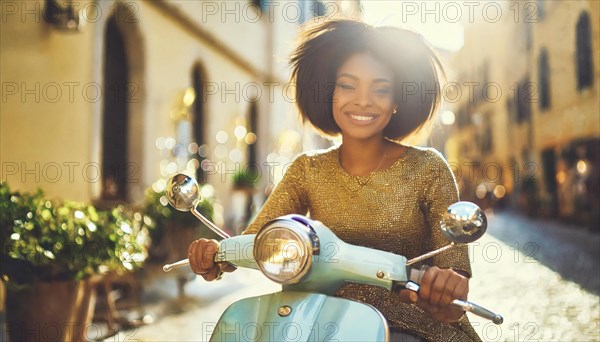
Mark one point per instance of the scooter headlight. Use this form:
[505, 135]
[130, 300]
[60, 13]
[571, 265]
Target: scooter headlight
[283, 249]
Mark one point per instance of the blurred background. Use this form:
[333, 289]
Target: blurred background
[103, 101]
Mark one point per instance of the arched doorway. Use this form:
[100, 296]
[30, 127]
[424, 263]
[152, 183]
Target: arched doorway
[122, 113]
[115, 116]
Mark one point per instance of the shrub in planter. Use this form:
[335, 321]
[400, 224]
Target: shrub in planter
[50, 252]
[246, 179]
[244, 186]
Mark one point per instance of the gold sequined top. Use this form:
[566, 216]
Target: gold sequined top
[397, 209]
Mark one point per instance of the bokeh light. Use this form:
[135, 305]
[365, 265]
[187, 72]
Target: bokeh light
[222, 137]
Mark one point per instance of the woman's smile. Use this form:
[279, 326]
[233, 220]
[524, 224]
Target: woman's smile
[361, 118]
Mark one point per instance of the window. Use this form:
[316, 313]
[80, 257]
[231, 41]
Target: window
[541, 9]
[523, 99]
[318, 9]
[584, 52]
[486, 134]
[510, 108]
[310, 9]
[260, 4]
[253, 128]
[549, 167]
[544, 80]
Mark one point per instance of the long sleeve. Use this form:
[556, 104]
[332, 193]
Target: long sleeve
[398, 210]
[288, 197]
[441, 192]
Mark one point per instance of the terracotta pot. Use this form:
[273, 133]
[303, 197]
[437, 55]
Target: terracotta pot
[50, 311]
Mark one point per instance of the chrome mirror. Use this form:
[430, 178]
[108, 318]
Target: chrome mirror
[183, 193]
[463, 222]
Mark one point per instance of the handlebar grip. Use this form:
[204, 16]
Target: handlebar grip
[180, 263]
[464, 305]
[478, 310]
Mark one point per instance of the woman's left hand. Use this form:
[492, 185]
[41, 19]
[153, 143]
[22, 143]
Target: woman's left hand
[438, 288]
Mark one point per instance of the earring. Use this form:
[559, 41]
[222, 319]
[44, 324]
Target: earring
[395, 111]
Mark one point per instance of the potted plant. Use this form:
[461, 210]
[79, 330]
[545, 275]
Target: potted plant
[244, 186]
[246, 180]
[51, 252]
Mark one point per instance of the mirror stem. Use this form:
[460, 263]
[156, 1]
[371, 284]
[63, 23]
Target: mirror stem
[429, 255]
[209, 224]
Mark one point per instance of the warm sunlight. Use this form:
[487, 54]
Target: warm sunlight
[439, 21]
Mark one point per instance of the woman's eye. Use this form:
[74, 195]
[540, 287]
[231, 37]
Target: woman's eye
[383, 90]
[345, 86]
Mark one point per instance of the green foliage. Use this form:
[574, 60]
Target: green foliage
[52, 240]
[246, 178]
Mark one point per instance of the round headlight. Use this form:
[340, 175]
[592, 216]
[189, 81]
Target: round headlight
[283, 250]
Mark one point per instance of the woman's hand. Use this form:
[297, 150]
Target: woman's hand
[201, 254]
[438, 288]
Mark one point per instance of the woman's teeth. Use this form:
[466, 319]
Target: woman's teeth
[362, 118]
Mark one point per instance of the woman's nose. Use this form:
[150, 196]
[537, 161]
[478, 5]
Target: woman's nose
[363, 98]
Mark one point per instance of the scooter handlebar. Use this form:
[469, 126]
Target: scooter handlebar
[465, 306]
[478, 310]
[180, 263]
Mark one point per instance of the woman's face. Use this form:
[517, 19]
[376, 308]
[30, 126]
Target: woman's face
[363, 97]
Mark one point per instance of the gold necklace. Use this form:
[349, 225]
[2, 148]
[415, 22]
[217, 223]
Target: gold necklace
[370, 176]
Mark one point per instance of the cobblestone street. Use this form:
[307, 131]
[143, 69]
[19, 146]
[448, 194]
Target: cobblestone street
[541, 276]
[515, 274]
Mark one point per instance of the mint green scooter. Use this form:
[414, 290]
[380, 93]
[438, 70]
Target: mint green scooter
[312, 263]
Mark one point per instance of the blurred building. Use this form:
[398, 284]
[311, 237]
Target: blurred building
[526, 100]
[103, 99]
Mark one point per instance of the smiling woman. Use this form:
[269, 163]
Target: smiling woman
[402, 57]
[374, 87]
[369, 85]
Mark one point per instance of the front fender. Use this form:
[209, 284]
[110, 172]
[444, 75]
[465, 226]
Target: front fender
[313, 317]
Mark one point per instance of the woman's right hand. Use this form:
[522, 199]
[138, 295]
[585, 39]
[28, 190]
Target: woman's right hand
[201, 254]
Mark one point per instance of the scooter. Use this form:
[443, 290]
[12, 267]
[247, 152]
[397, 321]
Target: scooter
[295, 251]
